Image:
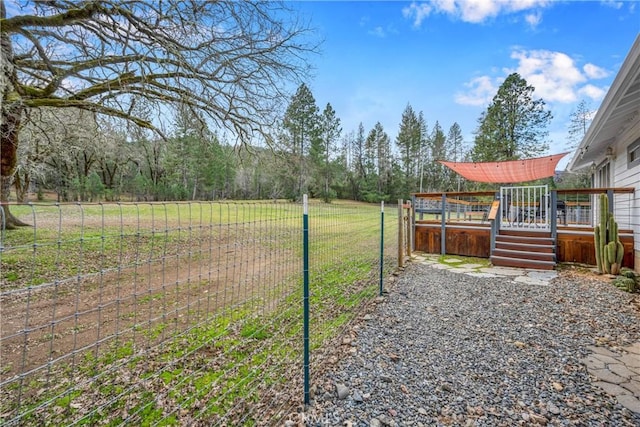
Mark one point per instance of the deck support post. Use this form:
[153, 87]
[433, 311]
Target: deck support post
[553, 215]
[610, 197]
[495, 226]
[443, 231]
[400, 235]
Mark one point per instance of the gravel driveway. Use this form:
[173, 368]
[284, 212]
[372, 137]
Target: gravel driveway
[445, 348]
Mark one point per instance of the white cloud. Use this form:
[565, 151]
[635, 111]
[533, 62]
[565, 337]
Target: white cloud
[555, 76]
[480, 91]
[593, 92]
[613, 4]
[378, 32]
[533, 19]
[595, 72]
[418, 12]
[474, 11]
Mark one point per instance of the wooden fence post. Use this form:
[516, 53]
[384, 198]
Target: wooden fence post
[400, 235]
[409, 234]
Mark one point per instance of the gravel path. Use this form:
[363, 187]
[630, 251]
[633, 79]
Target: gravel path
[451, 349]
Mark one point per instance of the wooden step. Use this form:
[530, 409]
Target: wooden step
[525, 233]
[524, 254]
[525, 247]
[522, 263]
[537, 240]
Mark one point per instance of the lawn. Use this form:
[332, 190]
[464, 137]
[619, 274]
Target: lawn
[175, 313]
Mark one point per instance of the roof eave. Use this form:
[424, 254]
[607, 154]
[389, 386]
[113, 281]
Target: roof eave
[609, 103]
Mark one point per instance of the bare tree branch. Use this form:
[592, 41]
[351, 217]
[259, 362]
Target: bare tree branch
[232, 61]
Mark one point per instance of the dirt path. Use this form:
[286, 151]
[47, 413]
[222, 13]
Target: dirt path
[137, 307]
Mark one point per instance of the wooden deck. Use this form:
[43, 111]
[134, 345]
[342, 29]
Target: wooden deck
[566, 217]
[573, 244]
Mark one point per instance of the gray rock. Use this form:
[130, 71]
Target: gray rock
[607, 376]
[385, 378]
[460, 364]
[342, 391]
[553, 408]
[385, 420]
[602, 350]
[632, 386]
[612, 389]
[539, 419]
[629, 402]
[622, 370]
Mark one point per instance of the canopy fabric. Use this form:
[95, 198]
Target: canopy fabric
[507, 172]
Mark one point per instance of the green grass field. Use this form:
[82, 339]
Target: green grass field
[166, 314]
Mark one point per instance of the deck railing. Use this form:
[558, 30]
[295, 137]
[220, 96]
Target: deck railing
[468, 223]
[525, 207]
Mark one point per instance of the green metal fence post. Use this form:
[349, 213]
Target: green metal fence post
[381, 246]
[305, 298]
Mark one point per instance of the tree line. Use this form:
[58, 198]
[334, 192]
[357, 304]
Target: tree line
[186, 100]
[83, 156]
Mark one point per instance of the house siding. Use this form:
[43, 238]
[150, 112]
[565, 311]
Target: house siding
[628, 208]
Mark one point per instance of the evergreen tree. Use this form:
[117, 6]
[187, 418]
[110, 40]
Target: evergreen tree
[424, 151]
[355, 150]
[455, 142]
[514, 126]
[301, 126]
[330, 131]
[378, 164]
[408, 142]
[438, 176]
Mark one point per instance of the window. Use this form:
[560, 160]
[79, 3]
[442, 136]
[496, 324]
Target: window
[633, 154]
[604, 175]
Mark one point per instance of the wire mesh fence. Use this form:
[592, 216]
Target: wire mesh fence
[176, 313]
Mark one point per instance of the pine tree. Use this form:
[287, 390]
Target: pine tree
[438, 176]
[455, 142]
[301, 126]
[330, 131]
[514, 126]
[408, 142]
[424, 151]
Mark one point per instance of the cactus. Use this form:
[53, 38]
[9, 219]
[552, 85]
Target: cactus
[627, 272]
[598, 249]
[612, 257]
[625, 283]
[609, 250]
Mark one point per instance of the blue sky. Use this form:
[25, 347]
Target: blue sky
[447, 58]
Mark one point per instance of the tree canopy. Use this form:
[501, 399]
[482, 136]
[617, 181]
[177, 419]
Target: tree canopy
[229, 60]
[514, 126]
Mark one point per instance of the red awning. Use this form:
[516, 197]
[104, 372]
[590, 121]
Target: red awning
[507, 172]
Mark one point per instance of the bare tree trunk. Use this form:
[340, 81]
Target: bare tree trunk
[8, 157]
[22, 184]
[11, 113]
